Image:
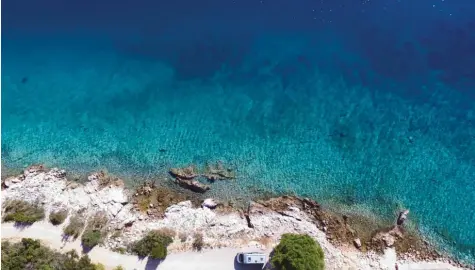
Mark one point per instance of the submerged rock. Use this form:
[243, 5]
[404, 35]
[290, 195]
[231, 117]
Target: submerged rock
[218, 172]
[187, 173]
[193, 185]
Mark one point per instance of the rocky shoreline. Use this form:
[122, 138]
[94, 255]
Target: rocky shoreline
[348, 242]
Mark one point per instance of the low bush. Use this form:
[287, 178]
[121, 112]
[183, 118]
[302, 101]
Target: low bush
[30, 254]
[158, 252]
[154, 244]
[99, 266]
[23, 212]
[298, 252]
[75, 226]
[93, 234]
[58, 217]
[183, 236]
[91, 238]
[143, 203]
[167, 232]
[116, 234]
[119, 268]
[120, 250]
[198, 242]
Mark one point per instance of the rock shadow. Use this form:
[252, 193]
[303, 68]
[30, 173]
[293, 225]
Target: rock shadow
[86, 250]
[21, 225]
[67, 238]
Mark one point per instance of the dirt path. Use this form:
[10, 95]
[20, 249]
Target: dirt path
[51, 236]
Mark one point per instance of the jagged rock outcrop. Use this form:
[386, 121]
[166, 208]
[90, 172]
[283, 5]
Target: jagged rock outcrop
[52, 189]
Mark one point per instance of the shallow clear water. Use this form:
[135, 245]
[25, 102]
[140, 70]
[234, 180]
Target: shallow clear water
[358, 103]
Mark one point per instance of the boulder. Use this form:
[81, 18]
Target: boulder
[187, 173]
[357, 243]
[218, 172]
[57, 173]
[73, 185]
[388, 240]
[193, 185]
[12, 180]
[33, 169]
[125, 217]
[209, 203]
[16, 180]
[118, 195]
[402, 217]
[113, 208]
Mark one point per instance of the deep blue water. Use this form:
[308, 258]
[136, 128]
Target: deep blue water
[365, 103]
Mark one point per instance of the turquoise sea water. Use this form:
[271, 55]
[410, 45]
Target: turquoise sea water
[366, 104]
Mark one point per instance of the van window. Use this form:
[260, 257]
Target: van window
[248, 259]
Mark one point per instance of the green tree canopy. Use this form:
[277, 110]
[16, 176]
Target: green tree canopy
[298, 252]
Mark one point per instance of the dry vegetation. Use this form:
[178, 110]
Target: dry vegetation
[95, 231]
[168, 232]
[107, 179]
[183, 236]
[58, 217]
[265, 241]
[198, 242]
[75, 226]
[23, 212]
[156, 199]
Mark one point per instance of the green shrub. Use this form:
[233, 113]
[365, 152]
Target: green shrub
[99, 266]
[30, 254]
[93, 234]
[58, 217]
[154, 244]
[120, 250]
[23, 212]
[75, 226]
[119, 268]
[298, 252]
[159, 252]
[91, 238]
[198, 242]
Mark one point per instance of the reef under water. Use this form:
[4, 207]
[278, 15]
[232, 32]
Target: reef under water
[351, 102]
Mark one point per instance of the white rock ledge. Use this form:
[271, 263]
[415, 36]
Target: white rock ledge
[220, 230]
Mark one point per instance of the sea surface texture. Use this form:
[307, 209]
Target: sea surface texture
[369, 104]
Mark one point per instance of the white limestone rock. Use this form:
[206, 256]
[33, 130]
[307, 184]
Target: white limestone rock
[209, 203]
[219, 229]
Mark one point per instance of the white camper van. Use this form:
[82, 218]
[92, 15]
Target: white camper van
[251, 258]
